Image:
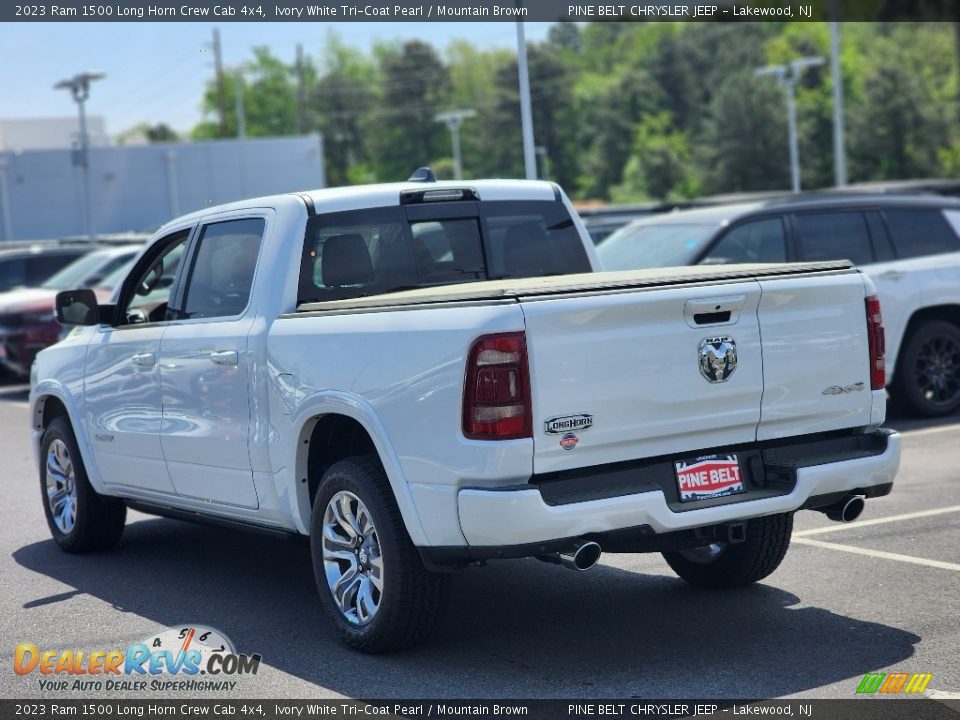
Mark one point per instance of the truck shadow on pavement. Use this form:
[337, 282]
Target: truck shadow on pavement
[520, 629]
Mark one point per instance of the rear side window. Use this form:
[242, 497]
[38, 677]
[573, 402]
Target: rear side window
[379, 250]
[13, 273]
[759, 241]
[833, 236]
[921, 232]
[222, 270]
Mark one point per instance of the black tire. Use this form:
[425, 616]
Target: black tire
[913, 387]
[738, 564]
[412, 598]
[99, 519]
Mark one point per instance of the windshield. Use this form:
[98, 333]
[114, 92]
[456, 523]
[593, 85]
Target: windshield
[116, 277]
[641, 246]
[73, 275]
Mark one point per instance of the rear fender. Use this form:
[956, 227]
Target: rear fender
[340, 403]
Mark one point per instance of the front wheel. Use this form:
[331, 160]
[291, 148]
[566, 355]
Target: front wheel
[372, 582]
[80, 519]
[726, 565]
[927, 382]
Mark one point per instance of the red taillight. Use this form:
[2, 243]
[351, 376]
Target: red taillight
[496, 392]
[878, 344]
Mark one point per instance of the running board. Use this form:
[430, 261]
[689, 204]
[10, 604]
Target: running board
[212, 520]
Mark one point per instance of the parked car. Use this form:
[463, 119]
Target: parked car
[908, 245]
[27, 319]
[600, 222]
[425, 376]
[30, 264]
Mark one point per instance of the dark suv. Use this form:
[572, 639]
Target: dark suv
[908, 245]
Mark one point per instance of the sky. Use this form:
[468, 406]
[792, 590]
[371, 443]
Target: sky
[156, 72]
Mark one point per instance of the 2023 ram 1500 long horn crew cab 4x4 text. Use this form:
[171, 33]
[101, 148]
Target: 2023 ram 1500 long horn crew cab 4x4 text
[289, 380]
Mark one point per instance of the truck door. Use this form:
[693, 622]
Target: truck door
[205, 367]
[122, 378]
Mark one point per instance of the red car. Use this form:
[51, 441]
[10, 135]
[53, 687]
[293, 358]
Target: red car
[27, 323]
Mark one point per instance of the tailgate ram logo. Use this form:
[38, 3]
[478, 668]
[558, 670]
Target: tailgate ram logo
[718, 358]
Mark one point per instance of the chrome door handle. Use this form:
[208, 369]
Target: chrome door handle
[893, 274]
[225, 357]
[144, 360]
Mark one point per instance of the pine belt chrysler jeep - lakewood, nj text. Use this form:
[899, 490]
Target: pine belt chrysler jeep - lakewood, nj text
[425, 376]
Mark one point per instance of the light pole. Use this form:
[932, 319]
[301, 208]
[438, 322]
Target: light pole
[79, 87]
[839, 151]
[526, 111]
[454, 119]
[241, 112]
[788, 76]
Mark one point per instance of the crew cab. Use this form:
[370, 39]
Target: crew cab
[425, 376]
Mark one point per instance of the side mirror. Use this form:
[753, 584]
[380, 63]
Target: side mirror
[77, 307]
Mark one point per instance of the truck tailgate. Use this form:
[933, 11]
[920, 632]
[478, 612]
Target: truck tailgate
[816, 365]
[630, 360]
[676, 370]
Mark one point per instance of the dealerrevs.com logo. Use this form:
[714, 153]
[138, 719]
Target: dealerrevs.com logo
[174, 659]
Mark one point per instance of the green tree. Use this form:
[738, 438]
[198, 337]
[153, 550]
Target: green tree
[341, 102]
[661, 163]
[414, 86]
[269, 94]
[743, 146]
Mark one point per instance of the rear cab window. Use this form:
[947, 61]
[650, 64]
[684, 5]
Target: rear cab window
[358, 253]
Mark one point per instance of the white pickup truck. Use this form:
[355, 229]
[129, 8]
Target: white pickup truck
[425, 376]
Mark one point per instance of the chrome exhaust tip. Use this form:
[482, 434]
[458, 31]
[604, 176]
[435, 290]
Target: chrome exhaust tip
[847, 510]
[581, 557]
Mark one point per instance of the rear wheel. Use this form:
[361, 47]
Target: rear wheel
[372, 582]
[730, 565]
[80, 519]
[928, 372]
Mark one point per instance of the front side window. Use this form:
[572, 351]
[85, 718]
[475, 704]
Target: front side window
[760, 241]
[833, 236]
[221, 274]
[146, 294]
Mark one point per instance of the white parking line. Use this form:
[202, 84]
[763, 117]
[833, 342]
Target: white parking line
[877, 521]
[933, 430]
[879, 554]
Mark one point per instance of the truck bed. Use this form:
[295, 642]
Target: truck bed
[515, 289]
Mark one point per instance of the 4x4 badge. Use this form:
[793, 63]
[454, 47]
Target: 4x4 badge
[718, 358]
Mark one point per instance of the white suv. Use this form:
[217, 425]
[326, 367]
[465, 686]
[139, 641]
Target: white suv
[908, 245]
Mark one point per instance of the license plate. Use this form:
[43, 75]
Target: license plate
[708, 476]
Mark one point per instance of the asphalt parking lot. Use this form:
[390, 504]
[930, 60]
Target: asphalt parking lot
[882, 594]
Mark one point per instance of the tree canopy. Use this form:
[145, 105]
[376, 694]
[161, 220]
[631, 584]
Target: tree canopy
[625, 111]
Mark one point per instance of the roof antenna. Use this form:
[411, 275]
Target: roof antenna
[422, 174]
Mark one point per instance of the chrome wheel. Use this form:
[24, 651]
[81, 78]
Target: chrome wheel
[705, 553]
[352, 561]
[61, 481]
[938, 370]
